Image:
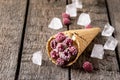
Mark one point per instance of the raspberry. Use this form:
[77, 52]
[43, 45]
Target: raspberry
[68, 42]
[53, 44]
[66, 21]
[60, 37]
[54, 54]
[60, 62]
[87, 66]
[73, 50]
[64, 55]
[65, 15]
[61, 47]
[88, 26]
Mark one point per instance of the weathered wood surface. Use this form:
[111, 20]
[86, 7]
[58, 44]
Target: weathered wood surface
[114, 13]
[37, 33]
[106, 69]
[11, 24]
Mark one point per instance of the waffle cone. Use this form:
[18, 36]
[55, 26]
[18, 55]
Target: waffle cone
[82, 38]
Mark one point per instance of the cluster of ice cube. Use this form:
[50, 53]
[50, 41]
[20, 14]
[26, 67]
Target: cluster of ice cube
[110, 44]
[71, 9]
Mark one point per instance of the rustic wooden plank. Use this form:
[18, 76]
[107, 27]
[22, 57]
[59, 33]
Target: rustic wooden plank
[37, 33]
[114, 14]
[11, 23]
[107, 68]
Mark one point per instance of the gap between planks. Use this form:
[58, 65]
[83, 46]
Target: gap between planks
[69, 68]
[109, 19]
[22, 42]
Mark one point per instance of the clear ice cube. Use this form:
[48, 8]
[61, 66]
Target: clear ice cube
[84, 19]
[55, 24]
[77, 3]
[108, 30]
[98, 51]
[111, 43]
[71, 10]
[37, 58]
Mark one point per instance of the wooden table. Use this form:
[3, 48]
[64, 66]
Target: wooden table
[24, 30]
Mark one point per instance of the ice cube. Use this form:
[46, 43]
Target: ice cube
[98, 51]
[71, 10]
[108, 30]
[55, 24]
[37, 58]
[111, 43]
[77, 3]
[84, 19]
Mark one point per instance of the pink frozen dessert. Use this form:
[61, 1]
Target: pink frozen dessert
[62, 49]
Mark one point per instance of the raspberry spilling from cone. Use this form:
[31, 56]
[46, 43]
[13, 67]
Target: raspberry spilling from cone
[62, 49]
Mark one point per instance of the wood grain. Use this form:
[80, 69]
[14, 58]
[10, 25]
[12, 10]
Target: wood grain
[11, 23]
[114, 14]
[37, 33]
[107, 68]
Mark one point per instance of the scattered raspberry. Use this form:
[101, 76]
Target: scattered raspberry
[66, 21]
[87, 66]
[53, 44]
[88, 26]
[60, 62]
[65, 15]
[60, 37]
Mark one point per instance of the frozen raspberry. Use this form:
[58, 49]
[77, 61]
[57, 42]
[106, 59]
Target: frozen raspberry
[61, 47]
[68, 42]
[54, 54]
[60, 37]
[53, 44]
[88, 26]
[65, 15]
[60, 62]
[66, 21]
[73, 50]
[87, 66]
[64, 55]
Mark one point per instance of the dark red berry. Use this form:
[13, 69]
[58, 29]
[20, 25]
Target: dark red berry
[53, 44]
[87, 66]
[60, 62]
[68, 42]
[66, 21]
[54, 54]
[60, 37]
[65, 15]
